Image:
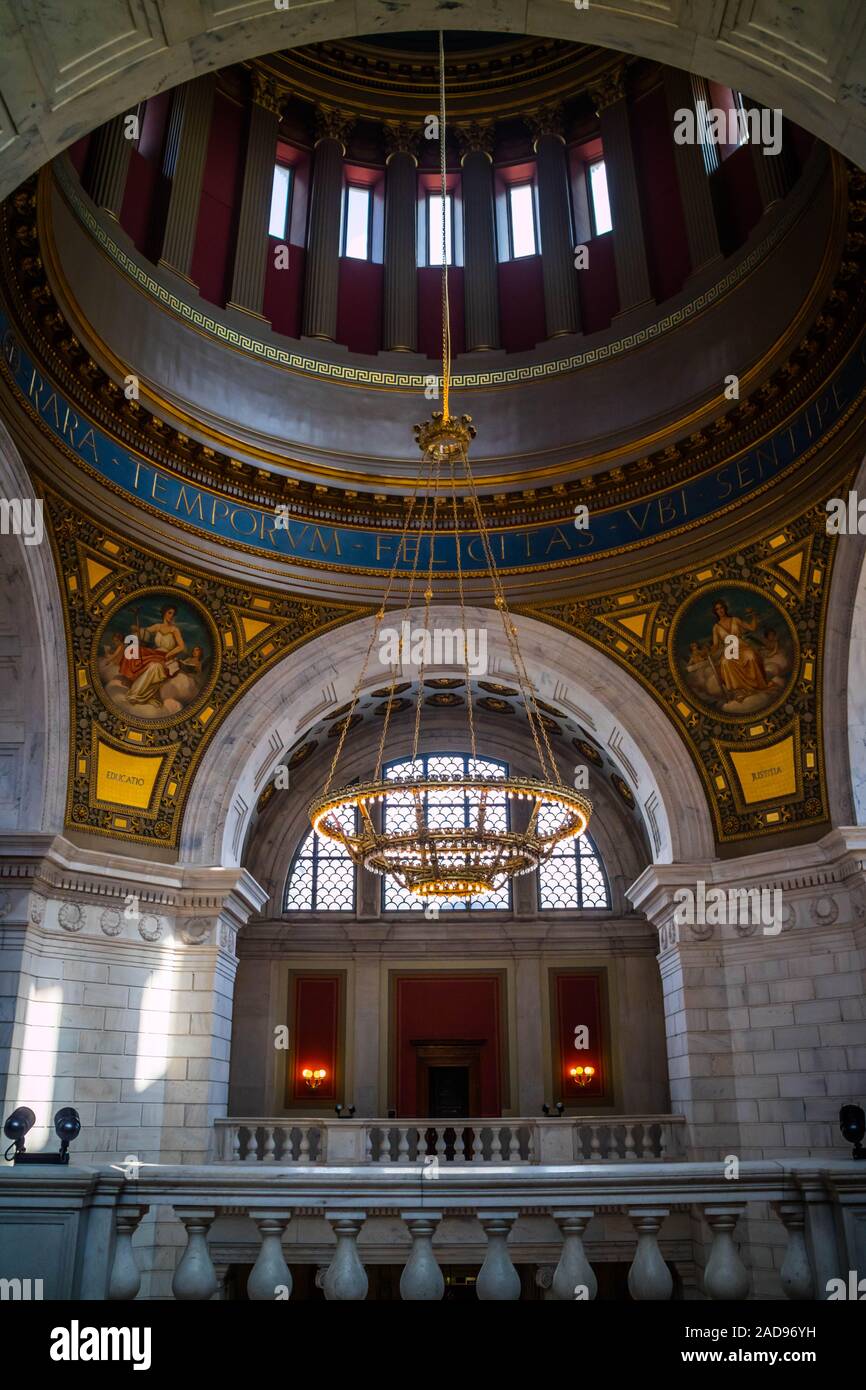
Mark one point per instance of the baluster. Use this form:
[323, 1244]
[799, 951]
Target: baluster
[726, 1278]
[385, 1144]
[346, 1278]
[648, 1148]
[420, 1144]
[440, 1143]
[665, 1134]
[235, 1139]
[125, 1278]
[304, 1150]
[612, 1144]
[422, 1280]
[402, 1144]
[459, 1144]
[270, 1274]
[513, 1145]
[796, 1272]
[649, 1278]
[252, 1153]
[269, 1155]
[477, 1146]
[595, 1143]
[530, 1144]
[630, 1152]
[495, 1145]
[498, 1280]
[573, 1274]
[368, 1144]
[195, 1277]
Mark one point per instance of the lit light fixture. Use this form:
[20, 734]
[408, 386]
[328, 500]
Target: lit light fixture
[446, 837]
[314, 1076]
[581, 1076]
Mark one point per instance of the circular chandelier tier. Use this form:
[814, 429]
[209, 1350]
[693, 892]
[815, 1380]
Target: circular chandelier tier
[450, 837]
[443, 837]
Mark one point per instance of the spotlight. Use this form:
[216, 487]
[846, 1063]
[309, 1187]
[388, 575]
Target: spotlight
[560, 1108]
[852, 1123]
[67, 1126]
[351, 1111]
[20, 1122]
[545, 1109]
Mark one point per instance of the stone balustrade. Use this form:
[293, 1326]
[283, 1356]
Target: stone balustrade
[548, 1139]
[683, 1229]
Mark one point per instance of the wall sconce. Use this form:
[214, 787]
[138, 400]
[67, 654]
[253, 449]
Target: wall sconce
[314, 1076]
[581, 1076]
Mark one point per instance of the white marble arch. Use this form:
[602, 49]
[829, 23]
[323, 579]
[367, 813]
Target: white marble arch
[299, 691]
[845, 677]
[34, 695]
[61, 78]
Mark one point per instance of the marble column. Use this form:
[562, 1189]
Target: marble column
[771, 170]
[561, 303]
[400, 315]
[481, 278]
[110, 164]
[700, 218]
[323, 240]
[629, 248]
[184, 162]
[251, 248]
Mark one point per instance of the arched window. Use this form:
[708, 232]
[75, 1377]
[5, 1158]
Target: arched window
[321, 879]
[397, 899]
[573, 877]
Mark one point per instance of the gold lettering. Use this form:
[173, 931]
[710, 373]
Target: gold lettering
[190, 505]
[558, 538]
[241, 511]
[158, 481]
[667, 511]
[721, 477]
[748, 479]
[639, 525]
[89, 442]
[213, 511]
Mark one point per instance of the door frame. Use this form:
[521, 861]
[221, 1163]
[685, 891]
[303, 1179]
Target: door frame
[453, 1052]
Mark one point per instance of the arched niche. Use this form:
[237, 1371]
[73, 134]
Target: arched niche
[34, 724]
[60, 81]
[297, 693]
[844, 694]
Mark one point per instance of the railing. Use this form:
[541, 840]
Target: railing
[572, 1139]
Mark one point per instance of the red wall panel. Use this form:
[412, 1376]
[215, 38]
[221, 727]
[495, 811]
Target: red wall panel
[599, 297]
[315, 1027]
[284, 290]
[359, 305]
[664, 224]
[220, 199]
[521, 303]
[734, 187]
[445, 1008]
[430, 309]
[78, 153]
[578, 999]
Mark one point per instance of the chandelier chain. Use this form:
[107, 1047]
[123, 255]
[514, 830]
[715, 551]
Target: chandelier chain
[460, 590]
[428, 596]
[446, 308]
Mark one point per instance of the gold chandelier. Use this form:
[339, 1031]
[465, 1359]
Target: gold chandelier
[449, 837]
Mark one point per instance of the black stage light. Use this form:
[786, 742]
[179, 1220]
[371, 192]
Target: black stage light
[852, 1123]
[67, 1126]
[560, 1108]
[545, 1109]
[20, 1122]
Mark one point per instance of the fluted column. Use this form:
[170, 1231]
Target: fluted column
[481, 279]
[629, 249]
[649, 1279]
[561, 303]
[400, 316]
[698, 212]
[110, 165]
[771, 170]
[184, 162]
[323, 241]
[251, 248]
[725, 1277]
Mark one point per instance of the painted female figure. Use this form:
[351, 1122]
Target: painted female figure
[151, 667]
[743, 673]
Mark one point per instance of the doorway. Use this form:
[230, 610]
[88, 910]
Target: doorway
[449, 1077]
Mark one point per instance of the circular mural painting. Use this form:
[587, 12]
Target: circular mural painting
[734, 651]
[155, 657]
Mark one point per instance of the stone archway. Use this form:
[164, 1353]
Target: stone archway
[299, 691]
[58, 82]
